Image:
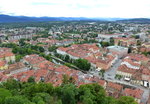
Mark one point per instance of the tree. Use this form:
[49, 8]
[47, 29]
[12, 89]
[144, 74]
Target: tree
[118, 76]
[11, 84]
[41, 49]
[111, 41]
[17, 100]
[137, 37]
[58, 102]
[129, 49]
[29, 51]
[42, 97]
[138, 42]
[34, 88]
[68, 94]
[48, 57]
[15, 92]
[42, 54]
[68, 80]
[93, 93]
[4, 94]
[41, 102]
[126, 100]
[22, 42]
[15, 50]
[83, 64]
[67, 58]
[119, 43]
[110, 100]
[102, 72]
[6, 37]
[104, 44]
[31, 79]
[52, 48]
[87, 97]
[18, 58]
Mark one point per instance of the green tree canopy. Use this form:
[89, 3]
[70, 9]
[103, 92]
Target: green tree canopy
[93, 92]
[126, 100]
[83, 64]
[17, 100]
[4, 94]
[31, 79]
[15, 92]
[52, 48]
[69, 93]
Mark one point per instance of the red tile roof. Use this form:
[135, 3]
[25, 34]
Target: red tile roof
[114, 86]
[102, 82]
[2, 63]
[125, 69]
[34, 59]
[136, 93]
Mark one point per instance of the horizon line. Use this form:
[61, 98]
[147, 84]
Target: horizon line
[74, 16]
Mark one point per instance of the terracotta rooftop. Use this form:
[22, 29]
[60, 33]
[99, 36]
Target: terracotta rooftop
[2, 63]
[136, 93]
[125, 69]
[114, 86]
[102, 82]
[34, 59]
[13, 67]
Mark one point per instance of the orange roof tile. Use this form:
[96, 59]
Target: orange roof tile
[115, 86]
[136, 93]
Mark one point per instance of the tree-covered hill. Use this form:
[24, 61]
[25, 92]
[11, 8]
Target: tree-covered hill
[16, 92]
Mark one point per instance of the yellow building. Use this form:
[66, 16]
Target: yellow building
[7, 56]
[3, 65]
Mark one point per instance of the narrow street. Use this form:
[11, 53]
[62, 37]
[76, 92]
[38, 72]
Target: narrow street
[110, 74]
[145, 95]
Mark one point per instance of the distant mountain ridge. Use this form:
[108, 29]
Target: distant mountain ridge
[136, 20]
[9, 19]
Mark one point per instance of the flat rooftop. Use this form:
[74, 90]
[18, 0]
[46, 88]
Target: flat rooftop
[119, 48]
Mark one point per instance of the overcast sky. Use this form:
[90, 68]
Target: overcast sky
[77, 8]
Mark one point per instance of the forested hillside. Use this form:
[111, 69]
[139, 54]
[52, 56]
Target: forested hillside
[16, 92]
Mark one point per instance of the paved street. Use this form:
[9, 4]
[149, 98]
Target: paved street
[110, 74]
[94, 73]
[145, 95]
